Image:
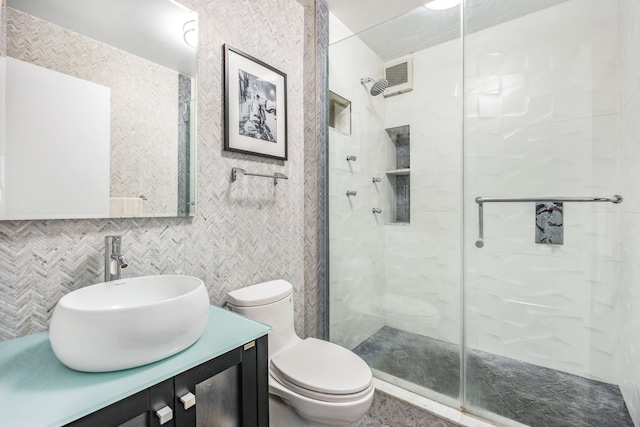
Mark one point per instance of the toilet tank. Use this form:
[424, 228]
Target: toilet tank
[270, 303]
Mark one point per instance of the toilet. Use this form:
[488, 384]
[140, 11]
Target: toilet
[311, 382]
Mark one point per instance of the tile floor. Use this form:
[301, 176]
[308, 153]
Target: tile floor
[529, 394]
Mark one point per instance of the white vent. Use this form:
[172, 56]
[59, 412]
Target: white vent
[399, 74]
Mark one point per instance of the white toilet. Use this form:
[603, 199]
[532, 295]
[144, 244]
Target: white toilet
[311, 382]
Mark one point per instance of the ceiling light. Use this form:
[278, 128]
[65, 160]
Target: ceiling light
[190, 34]
[442, 4]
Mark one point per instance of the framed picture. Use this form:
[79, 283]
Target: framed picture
[255, 110]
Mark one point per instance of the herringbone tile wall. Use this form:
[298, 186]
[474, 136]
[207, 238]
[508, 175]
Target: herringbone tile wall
[244, 232]
[316, 42]
[3, 27]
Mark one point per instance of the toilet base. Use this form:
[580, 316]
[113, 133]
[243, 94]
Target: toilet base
[281, 415]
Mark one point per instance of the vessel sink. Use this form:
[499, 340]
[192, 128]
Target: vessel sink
[130, 322]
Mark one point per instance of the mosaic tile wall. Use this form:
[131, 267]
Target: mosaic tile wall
[316, 42]
[3, 27]
[184, 146]
[243, 233]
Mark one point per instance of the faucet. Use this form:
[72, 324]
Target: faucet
[113, 259]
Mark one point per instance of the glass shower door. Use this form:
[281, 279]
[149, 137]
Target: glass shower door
[541, 121]
[395, 200]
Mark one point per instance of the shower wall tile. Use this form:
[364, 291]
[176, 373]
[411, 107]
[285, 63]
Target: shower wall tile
[543, 120]
[433, 228]
[423, 259]
[510, 228]
[356, 235]
[572, 157]
[537, 69]
[547, 310]
[629, 25]
[436, 189]
[629, 301]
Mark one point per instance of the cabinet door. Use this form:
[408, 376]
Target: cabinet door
[138, 410]
[230, 390]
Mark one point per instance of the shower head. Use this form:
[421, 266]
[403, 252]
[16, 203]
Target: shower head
[378, 85]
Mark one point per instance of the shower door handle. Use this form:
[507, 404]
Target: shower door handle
[482, 200]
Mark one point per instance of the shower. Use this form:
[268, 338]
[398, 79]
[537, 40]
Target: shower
[504, 106]
[378, 85]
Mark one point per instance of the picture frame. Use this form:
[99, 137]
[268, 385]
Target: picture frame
[255, 106]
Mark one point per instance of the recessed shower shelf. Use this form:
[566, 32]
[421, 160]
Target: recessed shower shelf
[406, 171]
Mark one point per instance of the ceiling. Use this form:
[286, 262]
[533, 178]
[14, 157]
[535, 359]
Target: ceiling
[359, 15]
[397, 28]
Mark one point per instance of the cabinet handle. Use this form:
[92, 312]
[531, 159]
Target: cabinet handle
[189, 400]
[164, 414]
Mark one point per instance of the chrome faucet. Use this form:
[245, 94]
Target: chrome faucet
[114, 261]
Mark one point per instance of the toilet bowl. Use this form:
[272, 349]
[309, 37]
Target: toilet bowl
[311, 382]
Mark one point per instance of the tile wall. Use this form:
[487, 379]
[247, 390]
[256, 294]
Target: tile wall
[423, 258]
[356, 235]
[629, 299]
[243, 232]
[542, 119]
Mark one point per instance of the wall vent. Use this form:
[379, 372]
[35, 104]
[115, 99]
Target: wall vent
[399, 74]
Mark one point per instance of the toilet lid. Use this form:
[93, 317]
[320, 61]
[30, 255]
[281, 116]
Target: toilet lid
[260, 294]
[322, 367]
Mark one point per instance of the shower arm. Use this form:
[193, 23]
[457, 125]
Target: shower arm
[482, 200]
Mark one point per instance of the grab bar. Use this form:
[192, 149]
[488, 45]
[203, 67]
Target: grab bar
[482, 200]
[276, 176]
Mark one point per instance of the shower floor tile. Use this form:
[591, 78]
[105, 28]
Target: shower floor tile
[529, 394]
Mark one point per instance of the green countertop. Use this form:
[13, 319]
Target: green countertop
[37, 390]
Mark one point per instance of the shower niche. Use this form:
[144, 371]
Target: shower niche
[339, 113]
[398, 174]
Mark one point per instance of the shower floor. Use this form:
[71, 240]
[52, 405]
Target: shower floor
[529, 394]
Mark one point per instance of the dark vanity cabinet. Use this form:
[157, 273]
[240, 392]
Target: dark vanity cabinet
[228, 390]
[231, 390]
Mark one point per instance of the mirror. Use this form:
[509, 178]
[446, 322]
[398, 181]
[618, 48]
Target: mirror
[97, 114]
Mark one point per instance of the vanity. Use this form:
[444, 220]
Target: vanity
[222, 379]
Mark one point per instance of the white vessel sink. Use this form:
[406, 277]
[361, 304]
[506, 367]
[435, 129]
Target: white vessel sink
[130, 322]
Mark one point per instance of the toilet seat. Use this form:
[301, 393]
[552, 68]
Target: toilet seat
[336, 374]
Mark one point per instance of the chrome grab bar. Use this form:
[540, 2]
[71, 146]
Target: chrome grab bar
[614, 199]
[482, 200]
[276, 176]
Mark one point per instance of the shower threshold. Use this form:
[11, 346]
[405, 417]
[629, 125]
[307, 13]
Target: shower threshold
[520, 391]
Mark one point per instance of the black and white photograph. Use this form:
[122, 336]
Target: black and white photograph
[255, 106]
